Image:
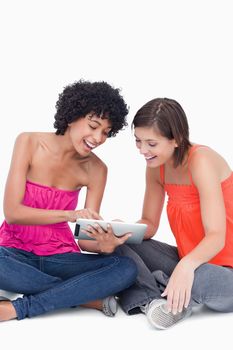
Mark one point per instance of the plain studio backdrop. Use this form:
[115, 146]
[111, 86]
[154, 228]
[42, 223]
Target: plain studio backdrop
[177, 49]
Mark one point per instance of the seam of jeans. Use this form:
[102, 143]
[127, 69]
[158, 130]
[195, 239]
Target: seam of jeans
[212, 297]
[17, 308]
[12, 255]
[63, 261]
[41, 264]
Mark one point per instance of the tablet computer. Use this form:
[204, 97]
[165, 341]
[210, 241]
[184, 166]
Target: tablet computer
[119, 229]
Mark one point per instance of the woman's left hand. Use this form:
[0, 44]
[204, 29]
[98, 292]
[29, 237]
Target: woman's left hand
[106, 240]
[178, 290]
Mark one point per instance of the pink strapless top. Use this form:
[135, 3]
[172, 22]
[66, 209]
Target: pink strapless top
[43, 239]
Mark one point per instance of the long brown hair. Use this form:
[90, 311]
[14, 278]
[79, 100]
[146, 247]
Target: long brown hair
[168, 117]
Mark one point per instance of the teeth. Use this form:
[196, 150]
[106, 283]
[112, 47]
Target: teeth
[147, 158]
[91, 145]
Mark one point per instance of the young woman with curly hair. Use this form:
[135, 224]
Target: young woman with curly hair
[39, 257]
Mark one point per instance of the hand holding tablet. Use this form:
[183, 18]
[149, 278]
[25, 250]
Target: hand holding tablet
[119, 229]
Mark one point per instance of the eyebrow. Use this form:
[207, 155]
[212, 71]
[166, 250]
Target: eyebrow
[91, 120]
[146, 139]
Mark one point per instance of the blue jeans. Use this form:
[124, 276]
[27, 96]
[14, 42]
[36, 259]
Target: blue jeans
[212, 286]
[61, 280]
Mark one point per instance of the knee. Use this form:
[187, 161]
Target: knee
[128, 268]
[209, 276]
[209, 287]
[220, 304]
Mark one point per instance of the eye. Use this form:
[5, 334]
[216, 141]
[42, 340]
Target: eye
[137, 141]
[92, 127]
[152, 144]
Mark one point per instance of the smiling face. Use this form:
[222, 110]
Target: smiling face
[156, 148]
[88, 133]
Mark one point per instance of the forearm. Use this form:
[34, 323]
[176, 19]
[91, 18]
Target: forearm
[209, 247]
[89, 246]
[23, 215]
[151, 229]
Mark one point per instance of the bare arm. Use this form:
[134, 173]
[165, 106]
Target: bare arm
[95, 190]
[153, 202]
[15, 212]
[206, 177]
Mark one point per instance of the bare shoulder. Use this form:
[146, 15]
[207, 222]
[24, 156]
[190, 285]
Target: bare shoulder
[24, 142]
[205, 154]
[31, 141]
[96, 171]
[96, 164]
[26, 137]
[207, 159]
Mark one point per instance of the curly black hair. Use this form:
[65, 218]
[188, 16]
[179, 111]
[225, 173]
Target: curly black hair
[83, 97]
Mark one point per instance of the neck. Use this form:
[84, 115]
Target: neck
[66, 147]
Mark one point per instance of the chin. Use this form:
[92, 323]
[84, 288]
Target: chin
[82, 152]
[152, 165]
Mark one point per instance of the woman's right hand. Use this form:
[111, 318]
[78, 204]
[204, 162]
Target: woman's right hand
[105, 239]
[87, 213]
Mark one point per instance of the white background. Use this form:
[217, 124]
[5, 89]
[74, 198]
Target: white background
[177, 49]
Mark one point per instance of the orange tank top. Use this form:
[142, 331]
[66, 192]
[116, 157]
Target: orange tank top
[184, 215]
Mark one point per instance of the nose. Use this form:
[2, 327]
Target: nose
[98, 136]
[143, 149]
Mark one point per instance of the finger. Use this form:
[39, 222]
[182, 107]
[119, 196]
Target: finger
[109, 229]
[165, 292]
[88, 214]
[181, 301]
[79, 215]
[88, 233]
[91, 229]
[175, 302]
[95, 215]
[83, 215]
[96, 229]
[169, 300]
[99, 229]
[124, 238]
[187, 298]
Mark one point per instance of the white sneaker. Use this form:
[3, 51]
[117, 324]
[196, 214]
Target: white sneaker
[5, 295]
[110, 306]
[160, 318]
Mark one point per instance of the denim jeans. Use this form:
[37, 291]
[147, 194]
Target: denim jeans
[212, 286]
[61, 280]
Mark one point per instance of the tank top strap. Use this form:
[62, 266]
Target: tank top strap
[162, 174]
[191, 152]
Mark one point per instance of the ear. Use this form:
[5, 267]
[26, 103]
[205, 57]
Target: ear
[175, 144]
